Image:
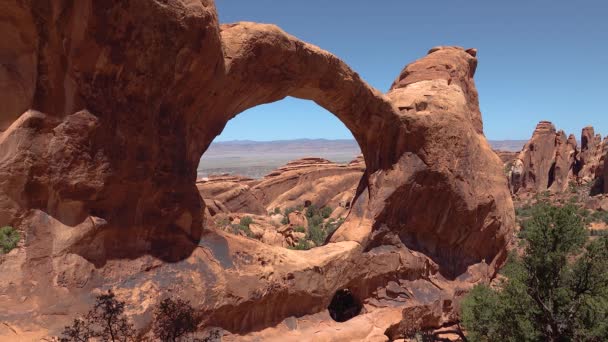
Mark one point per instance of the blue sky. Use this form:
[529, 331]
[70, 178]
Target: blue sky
[538, 60]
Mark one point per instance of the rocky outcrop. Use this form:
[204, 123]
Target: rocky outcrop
[234, 194]
[309, 181]
[590, 154]
[538, 157]
[506, 156]
[562, 169]
[299, 183]
[550, 161]
[101, 144]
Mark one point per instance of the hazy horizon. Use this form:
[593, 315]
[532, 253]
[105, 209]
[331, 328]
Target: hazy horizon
[257, 158]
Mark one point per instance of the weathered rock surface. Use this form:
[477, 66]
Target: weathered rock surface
[234, 194]
[538, 157]
[590, 154]
[308, 181]
[506, 156]
[299, 183]
[111, 105]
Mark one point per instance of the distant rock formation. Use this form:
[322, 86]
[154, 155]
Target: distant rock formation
[299, 183]
[550, 161]
[233, 194]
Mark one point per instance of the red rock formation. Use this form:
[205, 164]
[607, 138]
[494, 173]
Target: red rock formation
[234, 194]
[506, 156]
[551, 162]
[562, 169]
[538, 157]
[310, 181]
[98, 171]
[590, 154]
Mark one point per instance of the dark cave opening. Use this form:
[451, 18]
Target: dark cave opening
[344, 306]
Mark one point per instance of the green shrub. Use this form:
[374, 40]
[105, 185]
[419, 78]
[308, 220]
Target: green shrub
[174, 320]
[326, 212]
[240, 227]
[598, 232]
[246, 221]
[317, 235]
[556, 291]
[106, 321]
[524, 211]
[299, 229]
[277, 210]
[332, 225]
[301, 245]
[315, 220]
[9, 238]
[288, 211]
[599, 216]
[312, 210]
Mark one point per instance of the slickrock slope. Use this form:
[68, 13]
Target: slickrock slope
[230, 194]
[299, 183]
[313, 181]
[113, 104]
[550, 161]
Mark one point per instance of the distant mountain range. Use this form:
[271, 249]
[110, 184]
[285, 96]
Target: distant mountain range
[322, 144]
[257, 158]
[508, 145]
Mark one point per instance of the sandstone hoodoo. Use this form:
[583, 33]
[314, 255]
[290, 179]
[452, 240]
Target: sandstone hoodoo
[552, 162]
[112, 104]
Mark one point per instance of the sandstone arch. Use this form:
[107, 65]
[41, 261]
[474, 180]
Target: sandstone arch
[127, 95]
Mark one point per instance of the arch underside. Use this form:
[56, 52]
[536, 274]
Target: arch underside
[99, 160]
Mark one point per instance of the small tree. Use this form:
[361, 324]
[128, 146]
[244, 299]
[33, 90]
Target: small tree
[246, 221]
[557, 291]
[174, 319]
[9, 238]
[106, 321]
[326, 212]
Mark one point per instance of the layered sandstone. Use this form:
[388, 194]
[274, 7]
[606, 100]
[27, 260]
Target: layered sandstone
[310, 181]
[299, 183]
[112, 104]
[234, 194]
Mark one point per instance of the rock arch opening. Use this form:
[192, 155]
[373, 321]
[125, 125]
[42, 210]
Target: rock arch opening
[344, 306]
[284, 173]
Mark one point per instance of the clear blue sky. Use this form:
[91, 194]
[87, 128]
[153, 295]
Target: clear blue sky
[538, 60]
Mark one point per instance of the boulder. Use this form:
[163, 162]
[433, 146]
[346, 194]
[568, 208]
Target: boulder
[297, 219]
